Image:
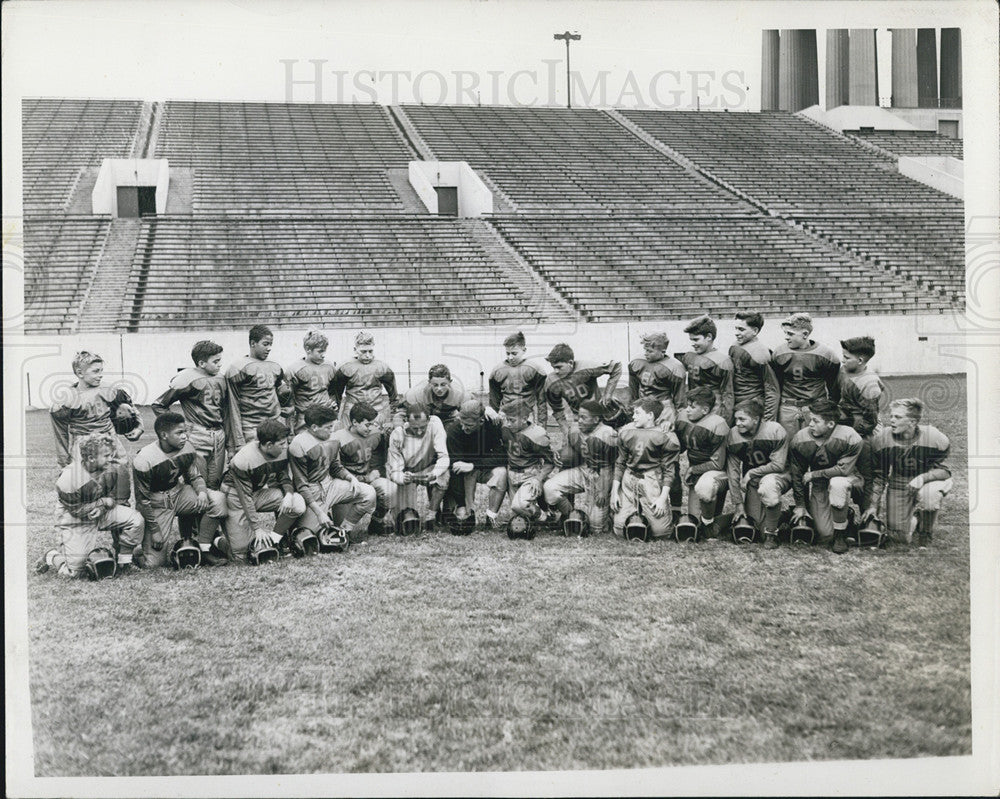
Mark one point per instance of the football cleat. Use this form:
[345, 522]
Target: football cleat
[185, 554]
[687, 528]
[462, 521]
[100, 564]
[872, 534]
[46, 561]
[333, 539]
[303, 542]
[408, 522]
[636, 528]
[576, 524]
[744, 531]
[520, 527]
[803, 531]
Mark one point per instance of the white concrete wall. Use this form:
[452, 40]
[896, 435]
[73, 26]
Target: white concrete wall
[146, 361]
[115, 172]
[423, 185]
[942, 173]
[474, 198]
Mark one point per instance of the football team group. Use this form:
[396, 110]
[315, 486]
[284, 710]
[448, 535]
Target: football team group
[335, 454]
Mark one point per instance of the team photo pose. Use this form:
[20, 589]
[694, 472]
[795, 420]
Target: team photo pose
[753, 375]
[807, 371]
[861, 394]
[352, 455]
[311, 379]
[530, 460]
[658, 376]
[572, 382]
[257, 388]
[476, 447]
[203, 394]
[709, 367]
[440, 393]
[364, 378]
[417, 459]
[519, 378]
[702, 434]
[309, 461]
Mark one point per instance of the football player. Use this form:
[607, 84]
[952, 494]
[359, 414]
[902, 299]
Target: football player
[354, 448]
[756, 465]
[418, 456]
[518, 379]
[87, 494]
[258, 481]
[309, 461]
[657, 376]
[572, 382]
[806, 370]
[170, 482]
[257, 388]
[311, 378]
[204, 397]
[440, 393]
[644, 470]
[709, 367]
[476, 447]
[753, 375]
[587, 466]
[823, 465]
[529, 460]
[87, 407]
[702, 433]
[860, 396]
[364, 378]
[908, 459]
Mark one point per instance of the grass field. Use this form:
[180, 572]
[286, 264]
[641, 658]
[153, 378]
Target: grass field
[439, 653]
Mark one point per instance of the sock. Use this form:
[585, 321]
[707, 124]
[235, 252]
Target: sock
[124, 558]
[707, 522]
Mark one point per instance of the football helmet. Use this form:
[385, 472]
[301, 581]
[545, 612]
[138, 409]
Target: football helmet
[744, 531]
[616, 413]
[576, 524]
[803, 531]
[872, 534]
[185, 554]
[302, 541]
[687, 528]
[636, 528]
[521, 527]
[333, 539]
[462, 521]
[407, 522]
[101, 564]
[259, 554]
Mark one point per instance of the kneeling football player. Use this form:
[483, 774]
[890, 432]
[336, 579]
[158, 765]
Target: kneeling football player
[358, 492]
[476, 448]
[309, 461]
[87, 491]
[529, 460]
[258, 481]
[417, 457]
[644, 470]
[702, 433]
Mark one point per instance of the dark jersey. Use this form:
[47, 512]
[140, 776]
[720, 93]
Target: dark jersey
[660, 380]
[765, 452]
[255, 471]
[155, 470]
[203, 398]
[595, 450]
[483, 448]
[704, 441]
[577, 387]
[524, 381]
[646, 449]
[754, 377]
[807, 374]
[527, 448]
[257, 391]
[78, 490]
[309, 460]
[445, 407]
[82, 411]
[366, 382]
[860, 395]
[898, 462]
[712, 370]
[352, 455]
[833, 456]
[311, 383]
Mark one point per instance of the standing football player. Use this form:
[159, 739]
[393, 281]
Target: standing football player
[440, 393]
[572, 382]
[88, 497]
[753, 375]
[757, 467]
[87, 407]
[417, 457]
[908, 459]
[644, 470]
[823, 464]
[657, 376]
[860, 396]
[170, 482]
[587, 466]
[529, 460]
[708, 366]
[257, 388]
[807, 371]
[702, 433]
[476, 448]
[364, 378]
[311, 378]
[204, 397]
[518, 379]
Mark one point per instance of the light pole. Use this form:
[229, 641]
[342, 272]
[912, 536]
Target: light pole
[568, 37]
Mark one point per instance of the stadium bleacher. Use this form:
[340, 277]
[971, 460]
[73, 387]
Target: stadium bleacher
[915, 143]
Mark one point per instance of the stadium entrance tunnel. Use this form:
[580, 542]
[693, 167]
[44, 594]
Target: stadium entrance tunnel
[131, 187]
[450, 188]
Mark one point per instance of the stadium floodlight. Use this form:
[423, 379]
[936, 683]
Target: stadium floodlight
[575, 37]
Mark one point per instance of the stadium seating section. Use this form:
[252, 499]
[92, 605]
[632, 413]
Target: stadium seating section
[298, 216]
[917, 143]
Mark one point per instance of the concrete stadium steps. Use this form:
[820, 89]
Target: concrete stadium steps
[205, 272]
[60, 259]
[616, 268]
[101, 310]
[573, 160]
[61, 138]
[915, 143]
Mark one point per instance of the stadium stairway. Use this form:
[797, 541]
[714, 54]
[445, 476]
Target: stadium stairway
[101, 309]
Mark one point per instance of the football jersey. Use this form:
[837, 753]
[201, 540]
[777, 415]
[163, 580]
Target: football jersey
[81, 412]
[527, 448]
[836, 456]
[309, 461]
[203, 398]
[255, 471]
[900, 461]
[595, 450]
[704, 441]
[483, 448]
[714, 370]
[254, 387]
[577, 387]
[807, 374]
[78, 489]
[351, 454]
[524, 381]
[155, 470]
[445, 407]
[645, 449]
[766, 452]
[410, 453]
[754, 377]
[659, 380]
[859, 400]
[365, 382]
[311, 383]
